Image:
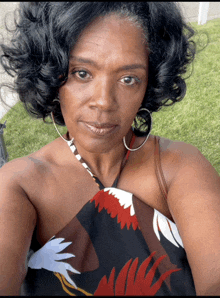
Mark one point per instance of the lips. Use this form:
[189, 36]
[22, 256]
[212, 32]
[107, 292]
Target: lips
[100, 129]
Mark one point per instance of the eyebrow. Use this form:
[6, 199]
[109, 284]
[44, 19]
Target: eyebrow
[125, 67]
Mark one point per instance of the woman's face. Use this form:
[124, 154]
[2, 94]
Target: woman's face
[107, 81]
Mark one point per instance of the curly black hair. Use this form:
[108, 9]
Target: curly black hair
[46, 32]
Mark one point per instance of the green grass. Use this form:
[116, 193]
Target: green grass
[194, 120]
[24, 134]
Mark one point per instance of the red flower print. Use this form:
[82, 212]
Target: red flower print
[127, 284]
[121, 207]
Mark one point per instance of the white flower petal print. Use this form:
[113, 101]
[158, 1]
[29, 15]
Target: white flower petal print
[47, 256]
[176, 233]
[167, 228]
[124, 198]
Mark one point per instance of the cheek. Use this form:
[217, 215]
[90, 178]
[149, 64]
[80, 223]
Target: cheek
[68, 99]
[132, 102]
[129, 111]
[73, 95]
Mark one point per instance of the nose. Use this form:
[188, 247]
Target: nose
[104, 96]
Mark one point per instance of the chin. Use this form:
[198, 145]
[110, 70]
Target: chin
[97, 145]
[100, 147]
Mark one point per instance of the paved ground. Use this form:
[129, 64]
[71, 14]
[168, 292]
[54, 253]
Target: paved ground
[190, 11]
[6, 9]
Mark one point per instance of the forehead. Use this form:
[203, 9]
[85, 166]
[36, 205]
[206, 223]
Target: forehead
[112, 38]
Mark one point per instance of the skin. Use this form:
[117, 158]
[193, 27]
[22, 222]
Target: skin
[102, 91]
[49, 187]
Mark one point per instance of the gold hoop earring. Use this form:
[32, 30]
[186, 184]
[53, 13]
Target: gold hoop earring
[68, 142]
[146, 136]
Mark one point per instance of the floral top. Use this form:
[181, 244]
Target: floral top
[115, 245]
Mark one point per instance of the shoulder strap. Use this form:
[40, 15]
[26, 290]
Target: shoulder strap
[158, 169]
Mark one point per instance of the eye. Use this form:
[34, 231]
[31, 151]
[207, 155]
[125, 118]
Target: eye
[130, 80]
[82, 74]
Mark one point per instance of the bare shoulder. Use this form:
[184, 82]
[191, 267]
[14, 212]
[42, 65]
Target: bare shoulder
[179, 157]
[193, 171]
[14, 177]
[14, 171]
[194, 203]
[37, 162]
[179, 148]
[20, 168]
[18, 219]
[30, 169]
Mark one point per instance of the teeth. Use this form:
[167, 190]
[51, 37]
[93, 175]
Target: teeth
[100, 128]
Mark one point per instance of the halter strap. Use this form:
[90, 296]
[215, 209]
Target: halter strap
[130, 146]
[158, 169]
[84, 164]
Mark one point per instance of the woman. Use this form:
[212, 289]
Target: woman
[106, 209]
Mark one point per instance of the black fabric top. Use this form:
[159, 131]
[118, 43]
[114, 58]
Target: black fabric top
[115, 245]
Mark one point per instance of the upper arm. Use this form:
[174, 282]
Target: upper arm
[17, 222]
[194, 202]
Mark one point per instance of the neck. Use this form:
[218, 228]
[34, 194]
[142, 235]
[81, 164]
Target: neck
[107, 165]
